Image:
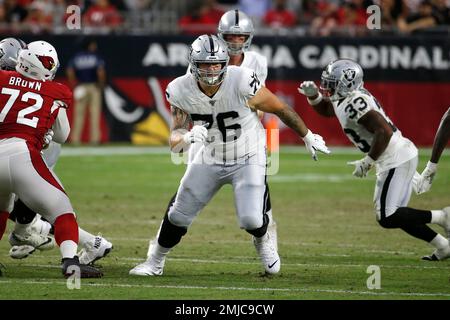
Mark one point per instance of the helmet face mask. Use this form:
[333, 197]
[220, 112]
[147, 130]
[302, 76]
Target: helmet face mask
[208, 49]
[38, 61]
[327, 85]
[340, 78]
[236, 47]
[235, 22]
[210, 76]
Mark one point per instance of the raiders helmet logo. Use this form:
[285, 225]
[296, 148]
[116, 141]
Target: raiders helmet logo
[47, 62]
[349, 74]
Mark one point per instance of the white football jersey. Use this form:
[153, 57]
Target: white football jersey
[257, 62]
[234, 130]
[351, 109]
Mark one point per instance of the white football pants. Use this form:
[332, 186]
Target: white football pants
[393, 188]
[201, 182]
[24, 173]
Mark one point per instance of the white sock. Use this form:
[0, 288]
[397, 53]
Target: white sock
[21, 229]
[437, 217]
[43, 227]
[85, 237]
[439, 242]
[158, 252]
[68, 248]
[271, 221]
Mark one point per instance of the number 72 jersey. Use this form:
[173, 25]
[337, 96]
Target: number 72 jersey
[27, 106]
[354, 107]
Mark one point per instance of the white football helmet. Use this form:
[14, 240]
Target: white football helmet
[38, 61]
[9, 51]
[340, 78]
[236, 22]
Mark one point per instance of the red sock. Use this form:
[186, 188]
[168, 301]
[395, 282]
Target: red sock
[3, 219]
[66, 228]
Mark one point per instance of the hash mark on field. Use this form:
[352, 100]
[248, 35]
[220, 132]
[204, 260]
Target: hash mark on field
[245, 260]
[120, 285]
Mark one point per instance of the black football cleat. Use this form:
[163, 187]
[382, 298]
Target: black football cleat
[85, 270]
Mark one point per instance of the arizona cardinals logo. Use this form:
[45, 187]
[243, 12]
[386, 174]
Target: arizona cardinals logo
[47, 62]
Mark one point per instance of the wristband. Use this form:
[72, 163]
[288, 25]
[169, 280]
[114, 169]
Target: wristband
[315, 101]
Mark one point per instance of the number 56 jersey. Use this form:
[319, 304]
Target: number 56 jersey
[234, 130]
[351, 109]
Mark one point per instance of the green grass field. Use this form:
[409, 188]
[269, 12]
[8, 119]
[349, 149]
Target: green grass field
[327, 233]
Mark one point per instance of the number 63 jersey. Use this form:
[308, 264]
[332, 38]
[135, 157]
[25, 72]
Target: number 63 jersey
[351, 109]
[234, 130]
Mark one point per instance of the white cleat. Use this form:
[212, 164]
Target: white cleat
[447, 221]
[94, 251]
[268, 254]
[21, 252]
[34, 235]
[272, 230]
[151, 267]
[36, 240]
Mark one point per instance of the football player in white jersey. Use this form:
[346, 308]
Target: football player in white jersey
[440, 141]
[30, 231]
[221, 102]
[394, 156]
[236, 30]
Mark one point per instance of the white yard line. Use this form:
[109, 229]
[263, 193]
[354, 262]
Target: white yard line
[222, 288]
[243, 260]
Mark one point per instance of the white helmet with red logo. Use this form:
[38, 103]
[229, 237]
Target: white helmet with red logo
[38, 61]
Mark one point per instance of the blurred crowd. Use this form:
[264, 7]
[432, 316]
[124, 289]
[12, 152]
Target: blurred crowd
[313, 17]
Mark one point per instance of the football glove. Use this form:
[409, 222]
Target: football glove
[48, 137]
[308, 88]
[362, 166]
[426, 178]
[197, 134]
[315, 142]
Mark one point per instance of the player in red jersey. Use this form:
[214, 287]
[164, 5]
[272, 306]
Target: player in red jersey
[31, 104]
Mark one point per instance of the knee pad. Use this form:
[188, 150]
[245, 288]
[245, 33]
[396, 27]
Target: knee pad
[257, 232]
[169, 234]
[179, 219]
[396, 220]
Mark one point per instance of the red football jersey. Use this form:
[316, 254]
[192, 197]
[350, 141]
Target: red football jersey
[27, 107]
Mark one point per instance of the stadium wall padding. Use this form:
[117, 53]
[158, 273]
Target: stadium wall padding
[409, 75]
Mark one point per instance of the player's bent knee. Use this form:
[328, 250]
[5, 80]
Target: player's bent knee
[395, 220]
[253, 226]
[250, 223]
[179, 219]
